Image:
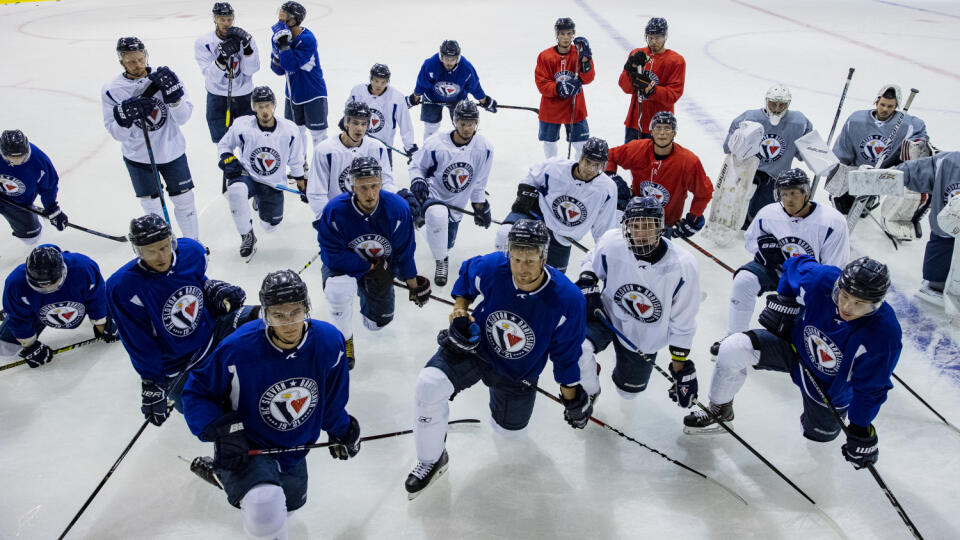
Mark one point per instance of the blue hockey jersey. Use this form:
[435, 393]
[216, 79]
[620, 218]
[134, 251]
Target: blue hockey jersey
[22, 183]
[852, 360]
[520, 329]
[81, 294]
[438, 85]
[301, 65]
[161, 317]
[285, 398]
[350, 239]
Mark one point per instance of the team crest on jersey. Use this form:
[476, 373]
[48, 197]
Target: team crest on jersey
[181, 312]
[791, 246]
[872, 147]
[771, 148]
[564, 75]
[344, 181]
[265, 160]
[655, 190]
[821, 350]
[446, 89]
[288, 404]
[509, 335]
[457, 176]
[157, 117]
[376, 121]
[639, 302]
[12, 186]
[64, 314]
[569, 211]
[951, 190]
[370, 246]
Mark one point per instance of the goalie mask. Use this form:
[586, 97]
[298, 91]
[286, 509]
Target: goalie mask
[776, 102]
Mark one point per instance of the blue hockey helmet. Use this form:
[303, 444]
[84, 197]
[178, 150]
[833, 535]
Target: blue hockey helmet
[656, 26]
[642, 225]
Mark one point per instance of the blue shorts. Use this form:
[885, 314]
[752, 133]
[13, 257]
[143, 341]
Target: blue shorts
[217, 113]
[632, 370]
[776, 354]
[375, 304]
[269, 200]
[937, 256]
[551, 132]
[312, 114]
[769, 280]
[432, 113]
[176, 176]
[511, 402]
[24, 224]
[558, 255]
[265, 470]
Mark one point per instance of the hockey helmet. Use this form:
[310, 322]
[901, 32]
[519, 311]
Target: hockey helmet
[283, 287]
[45, 269]
[642, 225]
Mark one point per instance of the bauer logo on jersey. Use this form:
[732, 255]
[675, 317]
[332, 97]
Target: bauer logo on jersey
[771, 148]
[181, 312]
[951, 190]
[569, 211]
[157, 117]
[64, 314]
[376, 121]
[872, 147]
[12, 186]
[265, 161]
[791, 246]
[509, 335]
[655, 190]
[447, 89]
[371, 246]
[457, 176]
[821, 350]
[639, 302]
[288, 404]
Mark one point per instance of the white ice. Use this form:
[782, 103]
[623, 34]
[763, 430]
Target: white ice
[64, 425]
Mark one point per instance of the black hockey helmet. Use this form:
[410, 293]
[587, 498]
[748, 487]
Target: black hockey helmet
[262, 94]
[596, 149]
[356, 109]
[656, 26]
[295, 11]
[466, 110]
[791, 179]
[449, 47]
[664, 117]
[148, 229]
[530, 233]
[564, 23]
[864, 278]
[128, 45]
[364, 167]
[222, 8]
[282, 287]
[380, 71]
[650, 212]
[46, 269]
[13, 143]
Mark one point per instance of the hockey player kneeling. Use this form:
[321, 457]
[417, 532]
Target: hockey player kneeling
[844, 334]
[651, 294]
[288, 381]
[529, 311]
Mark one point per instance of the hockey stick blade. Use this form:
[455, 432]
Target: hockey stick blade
[63, 349]
[302, 447]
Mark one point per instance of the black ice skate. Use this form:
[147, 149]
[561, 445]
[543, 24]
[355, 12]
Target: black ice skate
[202, 466]
[248, 245]
[701, 423]
[443, 269]
[424, 474]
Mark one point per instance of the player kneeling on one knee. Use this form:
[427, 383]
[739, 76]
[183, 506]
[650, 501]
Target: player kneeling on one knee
[651, 295]
[844, 335]
[288, 379]
[529, 311]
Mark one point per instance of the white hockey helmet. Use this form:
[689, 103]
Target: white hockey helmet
[897, 93]
[777, 93]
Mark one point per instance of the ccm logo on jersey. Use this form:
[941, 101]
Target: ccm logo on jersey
[821, 350]
[181, 312]
[771, 148]
[376, 121]
[655, 190]
[64, 314]
[791, 246]
[370, 246]
[446, 89]
[288, 404]
[457, 176]
[569, 211]
[639, 302]
[12, 186]
[509, 335]
[265, 161]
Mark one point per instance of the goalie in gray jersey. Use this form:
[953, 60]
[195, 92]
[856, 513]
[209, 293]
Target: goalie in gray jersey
[781, 128]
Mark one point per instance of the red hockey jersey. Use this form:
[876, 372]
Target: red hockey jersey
[671, 71]
[551, 66]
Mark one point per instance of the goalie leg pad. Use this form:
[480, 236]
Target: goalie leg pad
[896, 214]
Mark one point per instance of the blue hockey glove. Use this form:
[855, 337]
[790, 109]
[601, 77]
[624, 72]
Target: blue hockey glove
[624, 193]
[686, 227]
[489, 104]
[419, 187]
[861, 446]
[132, 109]
[169, 84]
[683, 391]
[462, 336]
[769, 253]
[153, 402]
[589, 285]
[282, 39]
[583, 47]
[567, 88]
[481, 216]
[110, 332]
[415, 207]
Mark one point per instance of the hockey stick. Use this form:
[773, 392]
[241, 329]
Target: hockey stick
[403, 285]
[390, 146]
[63, 349]
[654, 450]
[696, 246]
[873, 471]
[229, 91]
[603, 318]
[309, 263]
[573, 113]
[519, 108]
[471, 213]
[37, 211]
[267, 451]
[833, 128]
[156, 172]
[927, 405]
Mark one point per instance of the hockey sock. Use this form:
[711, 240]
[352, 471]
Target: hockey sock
[550, 149]
[437, 221]
[264, 512]
[151, 205]
[743, 299]
[317, 135]
[735, 356]
[268, 228]
[238, 196]
[589, 379]
[31, 240]
[340, 292]
[429, 128]
[578, 149]
[431, 413]
[186, 211]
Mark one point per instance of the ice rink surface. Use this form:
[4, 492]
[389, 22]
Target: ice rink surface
[62, 426]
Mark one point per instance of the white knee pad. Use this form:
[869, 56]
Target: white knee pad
[185, 209]
[588, 368]
[500, 244]
[318, 136]
[370, 324]
[151, 205]
[264, 513]
[429, 128]
[550, 149]
[627, 395]
[578, 149]
[31, 241]
[340, 292]
[268, 228]
[736, 354]
[238, 196]
[437, 221]
[743, 299]
[432, 411]
[509, 434]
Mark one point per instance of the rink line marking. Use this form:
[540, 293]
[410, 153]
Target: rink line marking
[851, 40]
[889, 3]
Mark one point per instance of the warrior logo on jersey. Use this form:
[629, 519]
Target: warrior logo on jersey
[951, 190]
[771, 148]
[791, 246]
[344, 181]
[872, 147]
[639, 302]
[265, 160]
[655, 190]
[457, 176]
[371, 246]
[64, 314]
[446, 89]
[509, 335]
[12, 186]
[376, 121]
[821, 350]
[569, 211]
[157, 117]
[181, 312]
[288, 404]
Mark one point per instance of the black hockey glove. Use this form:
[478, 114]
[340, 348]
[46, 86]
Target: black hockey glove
[769, 253]
[244, 37]
[110, 332]
[131, 110]
[410, 151]
[169, 84]
[420, 294]
[301, 182]
[624, 192]
[489, 104]
[577, 410]
[153, 402]
[230, 443]
[481, 214]
[527, 201]
[347, 445]
[222, 297]
[415, 207]
[419, 187]
[780, 315]
[861, 446]
[56, 216]
[645, 82]
[229, 47]
[686, 227]
[635, 63]
[589, 285]
[463, 335]
[380, 277]
[683, 391]
[412, 100]
[567, 88]
[36, 354]
[230, 166]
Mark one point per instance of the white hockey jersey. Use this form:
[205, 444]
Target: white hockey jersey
[822, 234]
[388, 114]
[215, 79]
[164, 123]
[456, 174]
[571, 207]
[265, 155]
[654, 305]
[330, 170]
